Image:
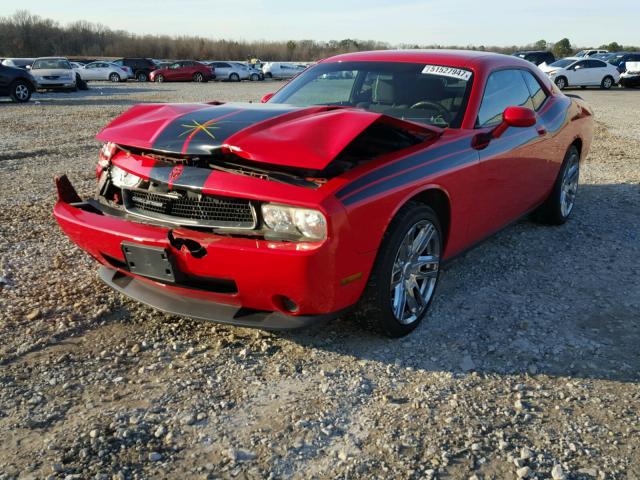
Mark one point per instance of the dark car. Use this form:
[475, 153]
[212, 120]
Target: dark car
[182, 71]
[16, 83]
[536, 57]
[141, 67]
[620, 59]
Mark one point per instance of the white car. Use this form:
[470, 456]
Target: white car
[53, 73]
[589, 53]
[104, 71]
[281, 69]
[581, 72]
[231, 71]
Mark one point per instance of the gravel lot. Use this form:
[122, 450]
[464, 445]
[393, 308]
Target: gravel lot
[527, 366]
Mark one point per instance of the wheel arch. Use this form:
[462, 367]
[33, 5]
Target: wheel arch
[436, 197]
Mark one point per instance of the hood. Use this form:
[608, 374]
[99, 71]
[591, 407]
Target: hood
[306, 137]
[60, 72]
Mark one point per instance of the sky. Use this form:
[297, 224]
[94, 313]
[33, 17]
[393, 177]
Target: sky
[426, 22]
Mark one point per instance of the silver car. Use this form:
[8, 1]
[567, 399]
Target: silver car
[104, 71]
[231, 71]
[54, 73]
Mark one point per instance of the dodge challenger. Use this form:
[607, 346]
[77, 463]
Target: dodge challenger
[344, 191]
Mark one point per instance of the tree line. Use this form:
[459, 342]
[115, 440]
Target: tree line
[24, 34]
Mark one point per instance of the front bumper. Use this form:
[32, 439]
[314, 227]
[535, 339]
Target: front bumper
[267, 276]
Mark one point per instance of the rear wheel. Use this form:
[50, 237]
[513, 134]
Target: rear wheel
[159, 78]
[198, 77]
[114, 77]
[234, 77]
[404, 277]
[20, 91]
[142, 76]
[254, 77]
[558, 206]
[561, 83]
[607, 83]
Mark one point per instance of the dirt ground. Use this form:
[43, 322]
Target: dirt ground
[527, 365]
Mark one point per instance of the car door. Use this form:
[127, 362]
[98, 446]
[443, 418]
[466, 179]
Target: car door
[578, 74]
[598, 70]
[174, 71]
[510, 165]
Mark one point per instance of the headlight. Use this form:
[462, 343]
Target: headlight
[309, 223]
[122, 179]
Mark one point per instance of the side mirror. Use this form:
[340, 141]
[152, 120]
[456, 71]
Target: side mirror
[577, 67]
[267, 97]
[28, 67]
[519, 117]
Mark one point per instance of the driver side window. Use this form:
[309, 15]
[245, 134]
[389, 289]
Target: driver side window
[504, 88]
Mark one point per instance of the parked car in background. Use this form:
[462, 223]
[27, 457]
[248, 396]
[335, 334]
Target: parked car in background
[536, 57]
[281, 70]
[631, 76]
[16, 83]
[620, 59]
[54, 73]
[582, 72]
[141, 67]
[255, 74]
[589, 53]
[76, 65]
[336, 194]
[232, 71]
[182, 71]
[104, 71]
[23, 63]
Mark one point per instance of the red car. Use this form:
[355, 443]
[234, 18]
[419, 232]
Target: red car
[182, 71]
[348, 188]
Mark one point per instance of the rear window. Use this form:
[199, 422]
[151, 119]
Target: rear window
[51, 63]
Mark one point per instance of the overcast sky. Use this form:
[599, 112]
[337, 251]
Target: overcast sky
[461, 22]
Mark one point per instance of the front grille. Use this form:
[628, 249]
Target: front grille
[186, 208]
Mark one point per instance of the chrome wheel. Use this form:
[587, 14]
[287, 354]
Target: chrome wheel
[21, 92]
[607, 83]
[569, 186]
[114, 77]
[415, 272]
[561, 83]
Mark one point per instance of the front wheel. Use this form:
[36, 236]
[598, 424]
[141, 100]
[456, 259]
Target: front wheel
[114, 77]
[254, 77]
[234, 77]
[558, 206]
[159, 78]
[20, 92]
[198, 77]
[404, 277]
[142, 76]
[561, 83]
[607, 83]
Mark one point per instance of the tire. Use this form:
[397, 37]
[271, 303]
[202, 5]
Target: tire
[20, 91]
[159, 78]
[198, 77]
[234, 77]
[142, 76]
[561, 83]
[381, 306]
[254, 77]
[559, 205]
[115, 78]
[583, 87]
[607, 82]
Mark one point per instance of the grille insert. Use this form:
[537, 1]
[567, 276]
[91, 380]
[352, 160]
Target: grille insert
[184, 208]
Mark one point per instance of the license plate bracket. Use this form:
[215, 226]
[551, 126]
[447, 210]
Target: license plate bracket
[152, 262]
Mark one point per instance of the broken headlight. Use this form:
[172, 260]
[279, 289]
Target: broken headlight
[123, 179]
[311, 224]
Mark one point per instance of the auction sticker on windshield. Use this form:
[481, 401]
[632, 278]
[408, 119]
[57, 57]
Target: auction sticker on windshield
[458, 73]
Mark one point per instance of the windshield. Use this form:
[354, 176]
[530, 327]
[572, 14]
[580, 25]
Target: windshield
[430, 94]
[51, 63]
[562, 63]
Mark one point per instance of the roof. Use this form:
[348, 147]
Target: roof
[472, 59]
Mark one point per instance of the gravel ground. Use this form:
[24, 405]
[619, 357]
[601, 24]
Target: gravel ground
[527, 366]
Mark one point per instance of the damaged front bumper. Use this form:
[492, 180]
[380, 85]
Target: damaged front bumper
[242, 281]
